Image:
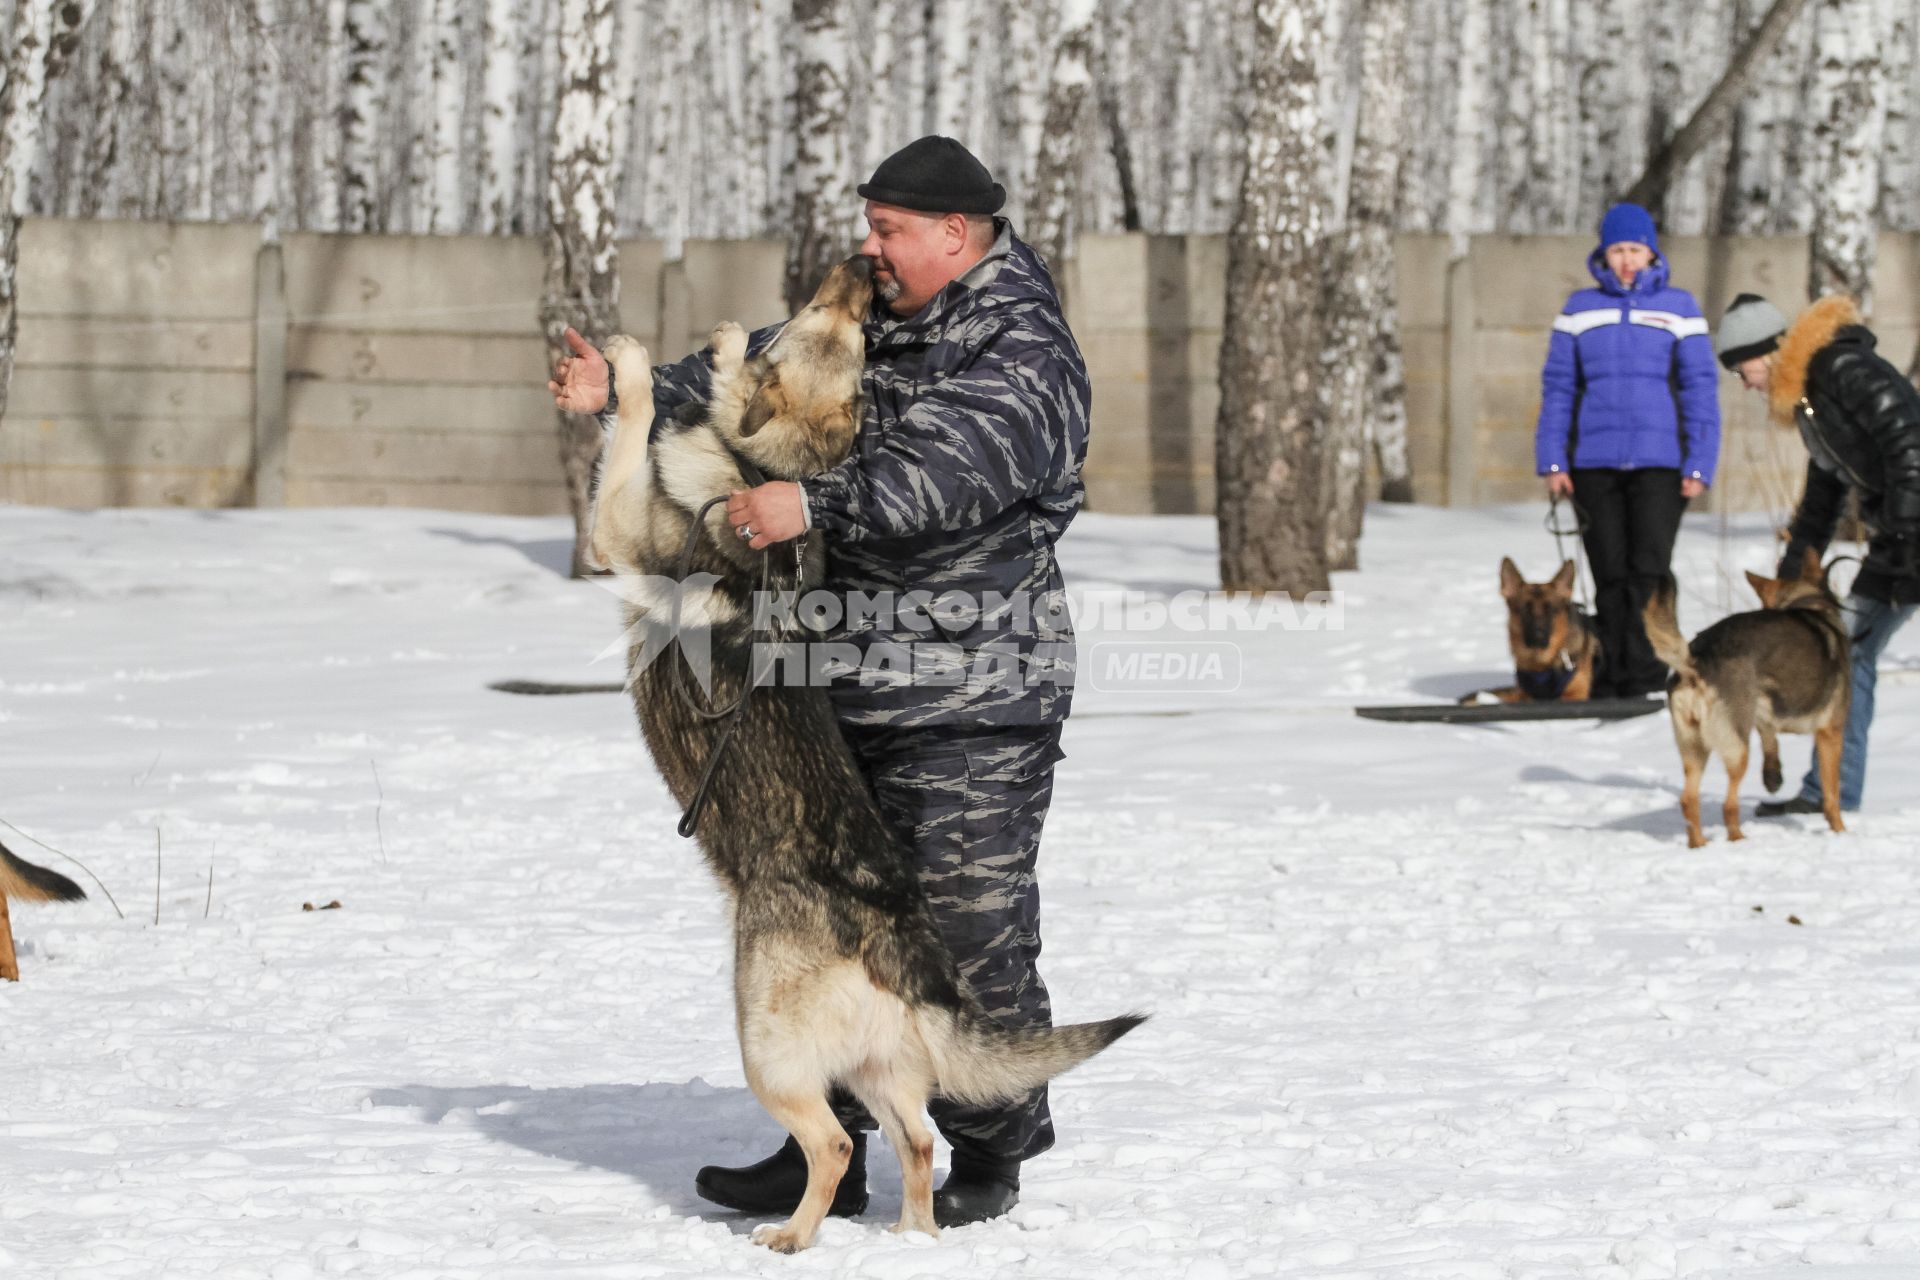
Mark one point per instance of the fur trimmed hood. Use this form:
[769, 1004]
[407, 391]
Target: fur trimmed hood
[1811, 331]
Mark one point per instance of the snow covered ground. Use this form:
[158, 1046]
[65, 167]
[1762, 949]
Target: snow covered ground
[1429, 1002]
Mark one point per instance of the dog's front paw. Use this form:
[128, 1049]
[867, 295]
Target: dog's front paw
[728, 342]
[632, 370]
[781, 1238]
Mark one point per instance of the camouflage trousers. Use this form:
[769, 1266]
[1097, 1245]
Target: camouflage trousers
[970, 804]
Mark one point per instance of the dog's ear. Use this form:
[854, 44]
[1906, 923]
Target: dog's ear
[1510, 579]
[1810, 567]
[1562, 583]
[768, 402]
[1768, 589]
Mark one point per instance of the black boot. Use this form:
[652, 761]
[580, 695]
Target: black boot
[776, 1184]
[976, 1189]
[1785, 808]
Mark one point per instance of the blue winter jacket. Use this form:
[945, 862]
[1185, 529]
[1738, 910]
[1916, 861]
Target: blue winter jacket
[965, 472]
[1630, 379]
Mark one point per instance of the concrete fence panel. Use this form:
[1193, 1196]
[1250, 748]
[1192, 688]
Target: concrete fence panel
[132, 383]
[190, 365]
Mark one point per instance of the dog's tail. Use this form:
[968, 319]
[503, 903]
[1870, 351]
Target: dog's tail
[29, 883]
[1663, 629]
[980, 1061]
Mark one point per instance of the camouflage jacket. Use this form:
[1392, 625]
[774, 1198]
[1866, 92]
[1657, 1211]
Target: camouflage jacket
[966, 471]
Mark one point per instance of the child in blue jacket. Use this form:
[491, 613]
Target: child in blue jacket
[1630, 430]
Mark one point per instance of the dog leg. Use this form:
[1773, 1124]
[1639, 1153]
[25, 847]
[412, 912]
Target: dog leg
[1826, 746]
[1693, 758]
[827, 1148]
[1770, 759]
[729, 344]
[898, 1105]
[1736, 770]
[9, 966]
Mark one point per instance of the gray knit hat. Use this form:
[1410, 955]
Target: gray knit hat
[1751, 327]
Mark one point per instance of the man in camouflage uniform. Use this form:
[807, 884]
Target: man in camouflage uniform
[965, 473]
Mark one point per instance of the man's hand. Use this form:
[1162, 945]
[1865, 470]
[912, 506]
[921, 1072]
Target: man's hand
[769, 514]
[580, 380]
[1559, 485]
[1691, 488]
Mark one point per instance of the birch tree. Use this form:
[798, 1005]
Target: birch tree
[583, 277]
[821, 170]
[1056, 173]
[1848, 133]
[40, 44]
[1606, 110]
[1271, 431]
[363, 114]
[1361, 296]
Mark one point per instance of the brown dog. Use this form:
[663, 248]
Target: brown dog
[1554, 646]
[23, 880]
[1780, 669]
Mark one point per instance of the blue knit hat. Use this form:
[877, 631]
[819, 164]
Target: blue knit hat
[1628, 223]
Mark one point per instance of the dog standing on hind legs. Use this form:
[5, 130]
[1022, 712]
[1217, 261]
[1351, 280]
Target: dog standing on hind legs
[1780, 669]
[29, 883]
[840, 972]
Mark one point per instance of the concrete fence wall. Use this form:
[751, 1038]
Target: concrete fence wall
[190, 365]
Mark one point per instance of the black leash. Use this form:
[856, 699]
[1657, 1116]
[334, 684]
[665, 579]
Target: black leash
[1561, 533]
[736, 711]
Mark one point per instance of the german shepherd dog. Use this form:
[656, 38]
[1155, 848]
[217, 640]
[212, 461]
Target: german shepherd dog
[23, 880]
[1780, 669]
[1555, 648]
[839, 974]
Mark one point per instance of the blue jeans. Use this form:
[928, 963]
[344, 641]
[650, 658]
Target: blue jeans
[1872, 623]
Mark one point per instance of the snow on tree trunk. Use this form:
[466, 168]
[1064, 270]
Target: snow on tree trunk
[1847, 138]
[583, 278]
[1063, 135]
[40, 44]
[1271, 432]
[821, 170]
[1361, 294]
[363, 115]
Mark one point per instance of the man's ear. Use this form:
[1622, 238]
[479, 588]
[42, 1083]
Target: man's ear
[768, 402]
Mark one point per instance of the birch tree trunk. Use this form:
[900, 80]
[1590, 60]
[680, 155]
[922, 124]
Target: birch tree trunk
[1851, 100]
[363, 114]
[1270, 436]
[1604, 108]
[446, 204]
[820, 173]
[1361, 295]
[1466, 178]
[1373, 216]
[583, 277]
[1056, 171]
[40, 44]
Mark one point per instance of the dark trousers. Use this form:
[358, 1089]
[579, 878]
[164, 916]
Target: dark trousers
[970, 805]
[1631, 519]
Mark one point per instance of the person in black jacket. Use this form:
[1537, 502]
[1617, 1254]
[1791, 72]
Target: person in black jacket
[1860, 420]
